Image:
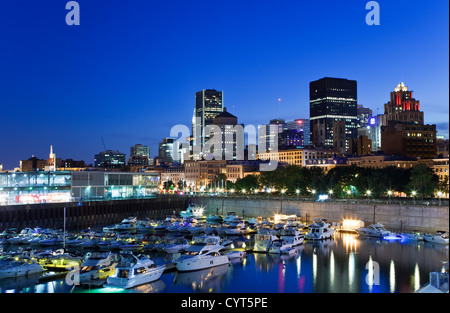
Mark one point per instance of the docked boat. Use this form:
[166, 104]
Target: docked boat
[11, 267]
[84, 236]
[292, 235]
[98, 265]
[412, 236]
[236, 254]
[58, 260]
[175, 227]
[201, 255]
[319, 230]
[214, 219]
[236, 227]
[263, 240]
[133, 271]
[127, 224]
[52, 240]
[197, 229]
[192, 211]
[439, 237]
[7, 234]
[373, 230]
[229, 217]
[211, 230]
[178, 245]
[22, 237]
[280, 246]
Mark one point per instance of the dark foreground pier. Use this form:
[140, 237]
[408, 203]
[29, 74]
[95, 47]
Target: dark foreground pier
[88, 214]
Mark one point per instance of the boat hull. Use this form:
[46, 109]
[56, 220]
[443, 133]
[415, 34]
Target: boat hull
[194, 264]
[141, 279]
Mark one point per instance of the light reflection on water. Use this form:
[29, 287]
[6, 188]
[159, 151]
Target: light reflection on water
[346, 264]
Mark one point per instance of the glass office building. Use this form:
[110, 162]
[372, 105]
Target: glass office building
[332, 101]
[67, 186]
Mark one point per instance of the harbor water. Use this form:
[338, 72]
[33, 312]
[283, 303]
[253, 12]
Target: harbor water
[347, 263]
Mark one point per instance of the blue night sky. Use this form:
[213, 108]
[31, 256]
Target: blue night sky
[130, 70]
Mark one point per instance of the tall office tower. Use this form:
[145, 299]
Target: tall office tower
[139, 155]
[232, 140]
[403, 131]
[302, 126]
[332, 100]
[208, 104]
[402, 107]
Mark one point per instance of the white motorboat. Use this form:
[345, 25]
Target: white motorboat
[236, 254]
[236, 227]
[319, 230]
[91, 243]
[22, 237]
[292, 235]
[201, 255]
[192, 211]
[133, 271]
[197, 229]
[8, 233]
[57, 260]
[98, 265]
[439, 237]
[211, 230]
[178, 245]
[15, 266]
[229, 217]
[373, 230]
[438, 283]
[127, 224]
[175, 227]
[214, 219]
[412, 236]
[52, 240]
[280, 246]
[264, 239]
[84, 236]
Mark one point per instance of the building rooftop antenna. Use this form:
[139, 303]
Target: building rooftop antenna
[103, 143]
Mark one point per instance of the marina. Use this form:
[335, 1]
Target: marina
[184, 254]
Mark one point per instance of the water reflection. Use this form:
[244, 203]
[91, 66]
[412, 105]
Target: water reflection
[348, 264]
[207, 280]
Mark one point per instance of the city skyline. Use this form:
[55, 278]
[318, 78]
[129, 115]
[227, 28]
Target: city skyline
[70, 87]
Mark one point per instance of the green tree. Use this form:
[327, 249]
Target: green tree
[422, 181]
[247, 183]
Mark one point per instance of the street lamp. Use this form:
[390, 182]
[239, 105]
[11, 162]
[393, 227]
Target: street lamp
[389, 194]
[314, 193]
[368, 192]
[439, 195]
[414, 196]
[297, 192]
[282, 193]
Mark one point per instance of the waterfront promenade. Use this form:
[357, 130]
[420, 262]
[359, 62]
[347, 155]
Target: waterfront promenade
[399, 215]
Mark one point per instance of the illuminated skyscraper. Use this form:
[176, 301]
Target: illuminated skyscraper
[332, 100]
[208, 104]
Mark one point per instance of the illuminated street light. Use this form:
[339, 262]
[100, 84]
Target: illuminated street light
[389, 194]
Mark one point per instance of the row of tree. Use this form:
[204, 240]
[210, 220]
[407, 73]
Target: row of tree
[419, 181]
